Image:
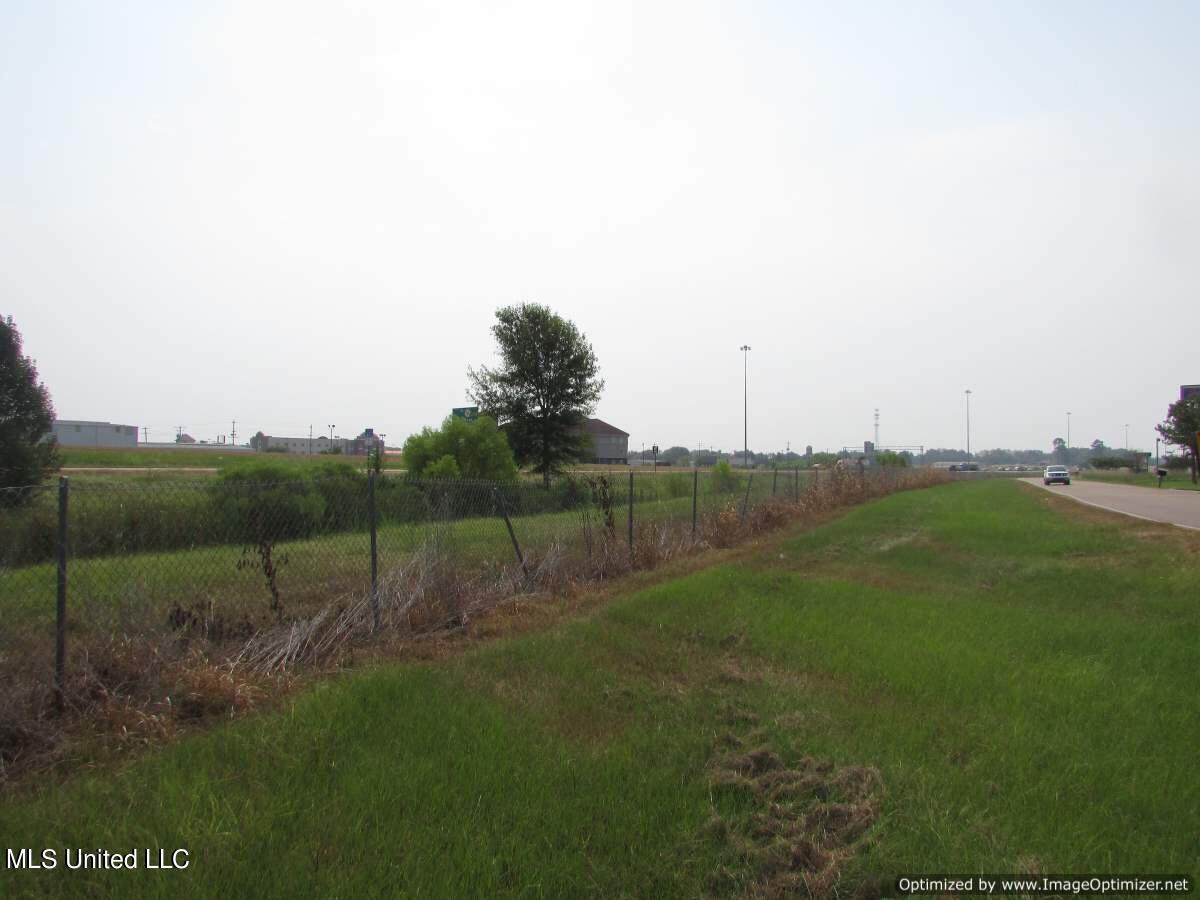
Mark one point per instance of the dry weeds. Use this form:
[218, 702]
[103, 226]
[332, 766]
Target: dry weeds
[809, 821]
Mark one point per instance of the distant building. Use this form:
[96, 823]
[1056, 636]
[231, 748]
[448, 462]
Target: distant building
[609, 444]
[78, 433]
[358, 446]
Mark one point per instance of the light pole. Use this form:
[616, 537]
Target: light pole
[1126, 437]
[331, 427]
[745, 348]
[968, 424]
[1068, 437]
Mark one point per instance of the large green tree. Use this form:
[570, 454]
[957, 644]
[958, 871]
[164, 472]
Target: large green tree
[460, 449]
[26, 415]
[1180, 427]
[547, 383]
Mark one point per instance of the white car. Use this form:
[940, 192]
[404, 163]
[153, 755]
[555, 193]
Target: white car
[1056, 475]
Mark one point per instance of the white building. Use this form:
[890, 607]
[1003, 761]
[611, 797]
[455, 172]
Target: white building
[358, 446]
[78, 433]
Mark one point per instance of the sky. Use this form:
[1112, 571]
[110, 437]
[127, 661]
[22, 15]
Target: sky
[299, 214]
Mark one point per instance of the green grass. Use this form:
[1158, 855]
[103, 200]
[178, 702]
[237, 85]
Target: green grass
[1025, 684]
[1177, 479]
[104, 458]
[312, 570]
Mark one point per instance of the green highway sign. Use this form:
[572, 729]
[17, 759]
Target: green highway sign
[470, 413]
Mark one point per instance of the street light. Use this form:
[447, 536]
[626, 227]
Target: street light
[745, 348]
[968, 424]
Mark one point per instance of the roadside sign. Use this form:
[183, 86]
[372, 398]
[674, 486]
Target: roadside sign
[470, 413]
[1189, 390]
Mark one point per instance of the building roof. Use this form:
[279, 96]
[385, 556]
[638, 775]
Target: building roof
[597, 426]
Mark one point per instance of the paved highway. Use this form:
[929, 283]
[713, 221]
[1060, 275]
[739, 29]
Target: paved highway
[1158, 504]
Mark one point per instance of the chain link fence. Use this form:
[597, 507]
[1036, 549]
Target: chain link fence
[286, 571]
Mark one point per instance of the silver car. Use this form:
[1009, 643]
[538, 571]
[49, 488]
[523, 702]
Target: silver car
[1056, 475]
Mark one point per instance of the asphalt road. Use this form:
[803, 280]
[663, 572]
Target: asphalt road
[1180, 508]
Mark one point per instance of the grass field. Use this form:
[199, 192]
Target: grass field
[109, 458]
[975, 677]
[1178, 480]
[315, 568]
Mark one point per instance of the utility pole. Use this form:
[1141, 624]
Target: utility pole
[1068, 437]
[233, 433]
[877, 426]
[1126, 437]
[145, 435]
[745, 348]
[178, 433]
[968, 424]
[310, 440]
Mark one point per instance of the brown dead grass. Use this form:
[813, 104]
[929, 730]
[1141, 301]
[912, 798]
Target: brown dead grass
[809, 818]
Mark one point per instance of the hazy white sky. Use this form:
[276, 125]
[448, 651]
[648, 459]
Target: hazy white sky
[302, 214]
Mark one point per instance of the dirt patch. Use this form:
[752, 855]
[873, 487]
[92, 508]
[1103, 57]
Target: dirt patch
[809, 820]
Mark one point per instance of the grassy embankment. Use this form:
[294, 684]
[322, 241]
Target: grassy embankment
[1178, 480]
[1021, 675]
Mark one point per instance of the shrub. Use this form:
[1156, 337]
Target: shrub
[479, 450]
[444, 467]
[267, 501]
[723, 478]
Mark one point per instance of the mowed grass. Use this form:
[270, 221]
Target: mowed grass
[1177, 479]
[1022, 674]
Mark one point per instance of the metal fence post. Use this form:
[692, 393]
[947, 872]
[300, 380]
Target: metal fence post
[797, 484]
[695, 491]
[60, 636]
[511, 533]
[746, 502]
[774, 482]
[631, 515]
[371, 512]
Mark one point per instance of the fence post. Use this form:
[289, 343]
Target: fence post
[371, 513]
[695, 491]
[631, 515]
[797, 484]
[774, 481]
[60, 636]
[746, 502]
[508, 524]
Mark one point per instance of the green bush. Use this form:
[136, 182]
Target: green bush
[723, 479]
[479, 450]
[267, 501]
[445, 467]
